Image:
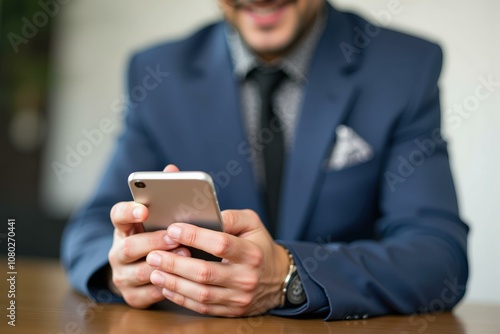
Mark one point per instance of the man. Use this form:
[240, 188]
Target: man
[353, 211]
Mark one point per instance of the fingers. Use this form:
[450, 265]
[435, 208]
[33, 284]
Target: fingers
[137, 246]
[193, 269]
[243, 284]
[134, 282]
[214, 310]
[201, 298]
[126, 216]
[220, 244]
[143, 296]
[203, 294]
[202, 272]
[171, 168]
[132, 275]
[240, 222]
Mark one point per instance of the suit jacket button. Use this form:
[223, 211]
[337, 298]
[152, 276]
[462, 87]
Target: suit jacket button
[356, 316]
[348, 317]
[365, 316]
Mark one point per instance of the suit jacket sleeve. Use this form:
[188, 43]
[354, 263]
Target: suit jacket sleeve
[89, 234]
[418, 262]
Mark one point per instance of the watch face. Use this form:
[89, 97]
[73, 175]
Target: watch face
[295, 292]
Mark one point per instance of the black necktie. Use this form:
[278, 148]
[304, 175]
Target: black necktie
[272, 139]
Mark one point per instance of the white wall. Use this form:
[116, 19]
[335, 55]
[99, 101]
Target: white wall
[96, 38]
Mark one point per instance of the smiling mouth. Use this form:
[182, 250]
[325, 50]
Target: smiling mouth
[240, 3]
[264, 13]
[261, 6]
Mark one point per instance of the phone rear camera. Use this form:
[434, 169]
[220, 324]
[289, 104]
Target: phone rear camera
[140, 184]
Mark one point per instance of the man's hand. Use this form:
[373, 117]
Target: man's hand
[130, 272]
[247, 282]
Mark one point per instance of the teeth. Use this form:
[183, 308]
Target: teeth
[264, 11]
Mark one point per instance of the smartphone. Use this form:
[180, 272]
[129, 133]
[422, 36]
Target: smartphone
[178, 197]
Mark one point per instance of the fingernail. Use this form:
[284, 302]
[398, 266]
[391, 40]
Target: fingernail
[167, 293]
[180, 252]
[174, 232]
[153, 259]
[168, 240]
[157, 278]
[137, 212]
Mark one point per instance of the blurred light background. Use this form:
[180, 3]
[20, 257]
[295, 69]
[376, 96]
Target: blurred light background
[61, 77]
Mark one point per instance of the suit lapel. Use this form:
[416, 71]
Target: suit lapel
[219, 121]
[329, 95]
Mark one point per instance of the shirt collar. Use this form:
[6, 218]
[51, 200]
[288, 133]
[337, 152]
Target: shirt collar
[295, 64]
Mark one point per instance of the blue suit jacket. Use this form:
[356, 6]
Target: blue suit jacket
[380, 237]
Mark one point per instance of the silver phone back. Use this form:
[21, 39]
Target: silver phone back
[186, 197]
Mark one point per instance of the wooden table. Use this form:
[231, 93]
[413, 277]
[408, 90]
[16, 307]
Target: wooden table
[46, 304]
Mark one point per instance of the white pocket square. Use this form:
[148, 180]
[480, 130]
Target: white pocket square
[350, 149]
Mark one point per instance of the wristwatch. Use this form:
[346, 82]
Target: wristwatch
[293, 291]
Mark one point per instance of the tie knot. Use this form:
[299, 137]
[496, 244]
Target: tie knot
[267, 80]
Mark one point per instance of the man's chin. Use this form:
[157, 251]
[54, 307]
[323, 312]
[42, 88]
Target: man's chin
[269, 45]
[270, 53]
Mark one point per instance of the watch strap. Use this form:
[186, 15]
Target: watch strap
[292, 269]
